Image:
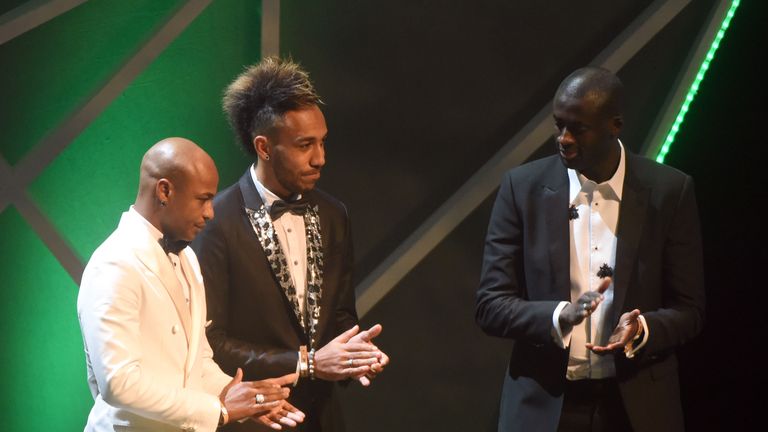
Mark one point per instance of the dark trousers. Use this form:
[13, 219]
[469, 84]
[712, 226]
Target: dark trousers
[593, 406]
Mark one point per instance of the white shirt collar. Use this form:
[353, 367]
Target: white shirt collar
[615, 184]
[153, 231]
[267, 196]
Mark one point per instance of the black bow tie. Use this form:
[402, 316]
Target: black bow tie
[298, 207]
[172, 246]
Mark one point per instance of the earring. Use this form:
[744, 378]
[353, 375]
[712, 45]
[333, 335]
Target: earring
[163, 203]
[266, 157]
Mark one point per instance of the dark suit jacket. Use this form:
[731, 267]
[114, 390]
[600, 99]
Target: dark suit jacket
[254, 326]
[525, 275]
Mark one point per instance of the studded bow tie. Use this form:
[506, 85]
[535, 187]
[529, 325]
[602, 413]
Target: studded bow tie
[298, 207]
[172, 246]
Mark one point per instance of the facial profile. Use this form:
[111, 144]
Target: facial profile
[296, 152]
[275, 111]
[190, 201]
[586, 111]
[178, 183]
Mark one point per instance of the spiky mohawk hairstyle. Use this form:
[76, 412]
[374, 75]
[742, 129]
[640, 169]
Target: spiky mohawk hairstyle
[256, 101]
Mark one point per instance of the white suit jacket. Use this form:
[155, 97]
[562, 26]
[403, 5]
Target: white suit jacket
[150, 366]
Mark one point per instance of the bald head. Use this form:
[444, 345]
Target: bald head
[177, 183]
[600, 88]
[175, 159]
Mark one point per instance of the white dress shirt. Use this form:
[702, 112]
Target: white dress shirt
[592, 246]
[293, 240]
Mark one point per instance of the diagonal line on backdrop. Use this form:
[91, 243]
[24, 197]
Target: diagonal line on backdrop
[48, 234]
[62, 251]
[270, 28]
[32, 14]
[686, 84]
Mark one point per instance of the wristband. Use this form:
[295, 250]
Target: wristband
[303, 362]
[312, 364]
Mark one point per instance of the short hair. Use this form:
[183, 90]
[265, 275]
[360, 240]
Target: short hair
[598, 84]
[257, 99]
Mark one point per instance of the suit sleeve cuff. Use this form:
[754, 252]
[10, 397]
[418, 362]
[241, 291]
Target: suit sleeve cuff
[298, 368]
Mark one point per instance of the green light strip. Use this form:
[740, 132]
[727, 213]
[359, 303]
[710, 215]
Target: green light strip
[696, 82]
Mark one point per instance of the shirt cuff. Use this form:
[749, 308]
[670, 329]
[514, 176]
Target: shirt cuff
[298, 368]
[557, 334]
[630, 349]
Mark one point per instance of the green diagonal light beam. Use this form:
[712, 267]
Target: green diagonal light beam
[696, 82]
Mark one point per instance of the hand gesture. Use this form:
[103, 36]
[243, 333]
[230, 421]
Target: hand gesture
[344, 358]
[367, 336]
[286, 414]
[626, 330]
[574, 313]
[248, 399]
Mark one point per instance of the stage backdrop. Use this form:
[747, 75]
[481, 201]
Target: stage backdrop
[48, 74]
[419, 95]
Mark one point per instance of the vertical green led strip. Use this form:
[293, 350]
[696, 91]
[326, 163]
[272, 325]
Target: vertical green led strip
[696, 82]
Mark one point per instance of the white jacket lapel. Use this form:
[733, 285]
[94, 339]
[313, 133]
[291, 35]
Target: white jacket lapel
[149, 252]
[196, 307]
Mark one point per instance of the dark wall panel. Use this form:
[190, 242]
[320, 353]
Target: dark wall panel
[420, 94]
[723, 146]
[445, 373]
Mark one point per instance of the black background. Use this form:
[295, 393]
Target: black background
[420, 94]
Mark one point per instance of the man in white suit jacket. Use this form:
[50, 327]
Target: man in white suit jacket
[142, 313]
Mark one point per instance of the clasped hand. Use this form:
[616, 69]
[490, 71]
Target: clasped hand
[263, 401]
[351, 355]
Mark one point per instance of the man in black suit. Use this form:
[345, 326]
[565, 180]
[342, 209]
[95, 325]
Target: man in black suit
[277, 260]
[593, 269]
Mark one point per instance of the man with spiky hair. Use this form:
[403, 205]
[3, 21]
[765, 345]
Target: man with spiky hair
[593, 270]
[277, 260]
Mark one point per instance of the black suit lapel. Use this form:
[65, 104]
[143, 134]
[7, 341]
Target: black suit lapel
[251, 198]
[632, 214]
[315, 265]
[555, 204]
[266, 241]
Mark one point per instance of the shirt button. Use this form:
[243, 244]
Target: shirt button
[289, 230]
[175, 329]
[295, 263]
